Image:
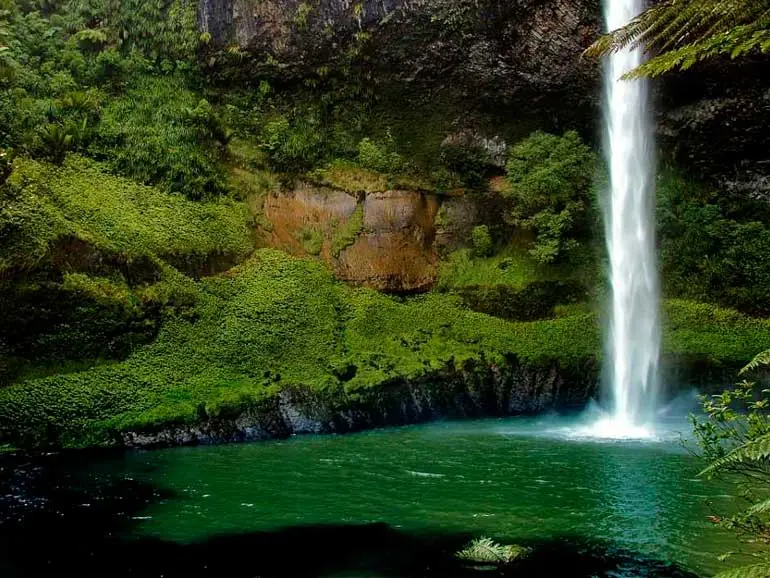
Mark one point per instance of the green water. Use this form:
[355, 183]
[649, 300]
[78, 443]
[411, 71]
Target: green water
[516, 479]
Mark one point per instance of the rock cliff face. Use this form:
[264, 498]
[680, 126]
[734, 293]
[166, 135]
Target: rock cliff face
[477, 390]
[514, 62]
[395, 244]
[524, 54]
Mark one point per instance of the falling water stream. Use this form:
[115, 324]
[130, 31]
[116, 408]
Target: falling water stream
[633, 336]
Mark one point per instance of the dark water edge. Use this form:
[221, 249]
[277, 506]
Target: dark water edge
[51, 527]
[57, 522]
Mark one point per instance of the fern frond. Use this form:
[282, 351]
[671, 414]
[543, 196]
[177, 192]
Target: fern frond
[759, 508]
[754, 571]
[761, 360]
[751, 451]
[683, 32]
[485, 550]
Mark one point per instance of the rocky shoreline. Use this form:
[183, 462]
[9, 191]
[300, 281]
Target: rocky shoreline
[475, 391]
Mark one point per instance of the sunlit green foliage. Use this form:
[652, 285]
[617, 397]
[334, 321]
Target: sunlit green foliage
[550, 179]
[43, 204]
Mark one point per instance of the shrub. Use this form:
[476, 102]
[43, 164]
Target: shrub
[482, 241]
[550, 178]
[150, 135]
[295, 145]
[378, 158]
[470, 162]
[707, 255]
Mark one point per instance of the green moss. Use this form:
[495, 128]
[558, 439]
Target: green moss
[350, 177]
[509, 267]
[346, 234]
[277, 321]
[312, 240]
[80, 200]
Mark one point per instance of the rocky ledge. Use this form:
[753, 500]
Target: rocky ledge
[478, 389]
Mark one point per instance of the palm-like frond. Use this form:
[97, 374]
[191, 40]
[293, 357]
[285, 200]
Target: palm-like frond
[759, 508]
[485, 550]
[683, 32]
[750, 452]
[761, 360]
[754, 571]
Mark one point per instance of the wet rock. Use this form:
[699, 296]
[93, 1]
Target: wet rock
[395, 251]
[454, 223]
[478, 389]
[495, 147]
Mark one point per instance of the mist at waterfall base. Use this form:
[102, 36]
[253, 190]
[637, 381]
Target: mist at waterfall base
[632, 341]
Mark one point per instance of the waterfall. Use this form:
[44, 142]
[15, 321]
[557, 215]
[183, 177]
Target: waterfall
[633, 336]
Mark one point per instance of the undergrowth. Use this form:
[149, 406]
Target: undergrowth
[276, 321]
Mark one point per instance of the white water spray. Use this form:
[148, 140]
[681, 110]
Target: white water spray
[633, 339]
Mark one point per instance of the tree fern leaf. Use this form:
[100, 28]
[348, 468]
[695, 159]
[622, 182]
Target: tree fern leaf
[755, 571]
[752, 451]
[684, 32]
[759, 508]
[761, 360]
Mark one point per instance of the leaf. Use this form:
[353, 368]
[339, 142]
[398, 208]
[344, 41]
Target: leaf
[752, 451]
[760, 508]
[761, 360]
[754, 571]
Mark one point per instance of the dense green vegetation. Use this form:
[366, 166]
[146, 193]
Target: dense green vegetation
[714, 246]
[82, 250]
[550, 183]
[734, 438]
[277, 321]
[45, 204]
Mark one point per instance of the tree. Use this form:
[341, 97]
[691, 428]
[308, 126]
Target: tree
[550, 180]
[735, 438]
[683, 32]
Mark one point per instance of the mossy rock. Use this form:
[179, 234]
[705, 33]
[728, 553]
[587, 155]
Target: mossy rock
[534, 301]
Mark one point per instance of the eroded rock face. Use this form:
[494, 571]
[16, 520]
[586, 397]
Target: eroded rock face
[396, 247]
[395, 250]
[486, 50]
[714, 120]
[476, 390]
[516, 63]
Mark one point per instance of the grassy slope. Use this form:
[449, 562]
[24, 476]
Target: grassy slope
[45, 203]
[78, 244]
[277, 321]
